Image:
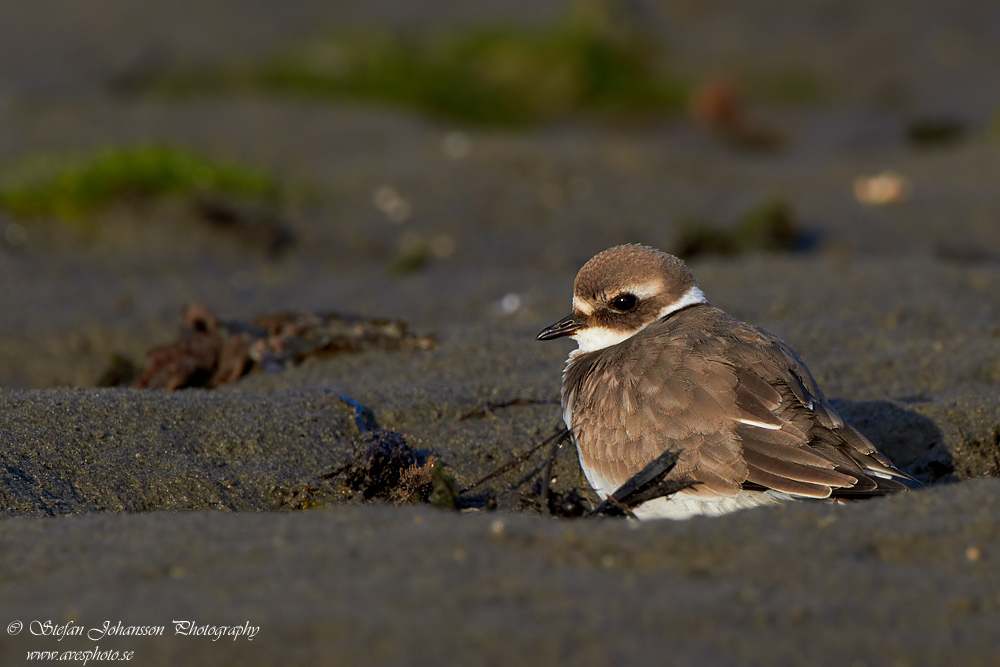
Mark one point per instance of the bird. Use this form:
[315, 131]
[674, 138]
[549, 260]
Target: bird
[658, 368]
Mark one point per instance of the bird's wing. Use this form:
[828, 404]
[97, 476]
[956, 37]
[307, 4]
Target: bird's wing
[808, 424]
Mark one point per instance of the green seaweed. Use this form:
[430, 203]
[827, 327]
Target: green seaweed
[410, 260]
[766, 227]
[594, 59]
[935, 131]
[70, 189]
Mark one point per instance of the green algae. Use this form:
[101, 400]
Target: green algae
[72, 188]
[594, 59]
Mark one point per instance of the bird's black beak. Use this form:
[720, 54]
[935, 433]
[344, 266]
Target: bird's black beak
[567, 326]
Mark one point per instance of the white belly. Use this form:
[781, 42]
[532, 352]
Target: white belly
[684, 505]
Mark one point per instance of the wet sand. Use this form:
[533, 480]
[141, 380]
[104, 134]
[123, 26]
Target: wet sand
[893, 582]
[147, 506]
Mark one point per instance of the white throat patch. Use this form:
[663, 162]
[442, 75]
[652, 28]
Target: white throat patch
[598, 338]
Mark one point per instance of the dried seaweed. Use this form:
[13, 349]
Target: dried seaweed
[212, 352]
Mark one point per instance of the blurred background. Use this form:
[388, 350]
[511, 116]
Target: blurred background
[447, 162]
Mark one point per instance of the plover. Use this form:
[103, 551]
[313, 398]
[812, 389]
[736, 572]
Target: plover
[658, 367]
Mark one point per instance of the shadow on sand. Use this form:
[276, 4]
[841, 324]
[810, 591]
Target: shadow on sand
[912, 441]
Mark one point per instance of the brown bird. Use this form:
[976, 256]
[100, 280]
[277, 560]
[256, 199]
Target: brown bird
[659, 368]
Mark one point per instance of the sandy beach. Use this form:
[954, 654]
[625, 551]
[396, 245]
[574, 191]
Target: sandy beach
[230, 507]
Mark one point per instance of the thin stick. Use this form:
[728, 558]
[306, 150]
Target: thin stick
[547, 477]
[618, 505]
[513, 463]
[488, 408]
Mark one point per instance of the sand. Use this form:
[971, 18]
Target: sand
[147, 507]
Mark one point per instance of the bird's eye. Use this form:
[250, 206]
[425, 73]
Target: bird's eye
[624, 302]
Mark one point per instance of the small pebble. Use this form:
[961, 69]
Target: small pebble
[886, 188]
[510, 303]
[443, 246]
[391, 204]
[456, 145]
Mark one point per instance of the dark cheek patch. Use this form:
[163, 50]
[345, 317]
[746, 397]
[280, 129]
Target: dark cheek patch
[628, 321]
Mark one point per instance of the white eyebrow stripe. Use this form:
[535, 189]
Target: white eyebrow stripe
[582, 306]
[691, 297]
[751, 422]
[646, 290]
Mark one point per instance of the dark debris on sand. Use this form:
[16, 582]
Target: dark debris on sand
[212, 352]
[384, 467]
[769, 227]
